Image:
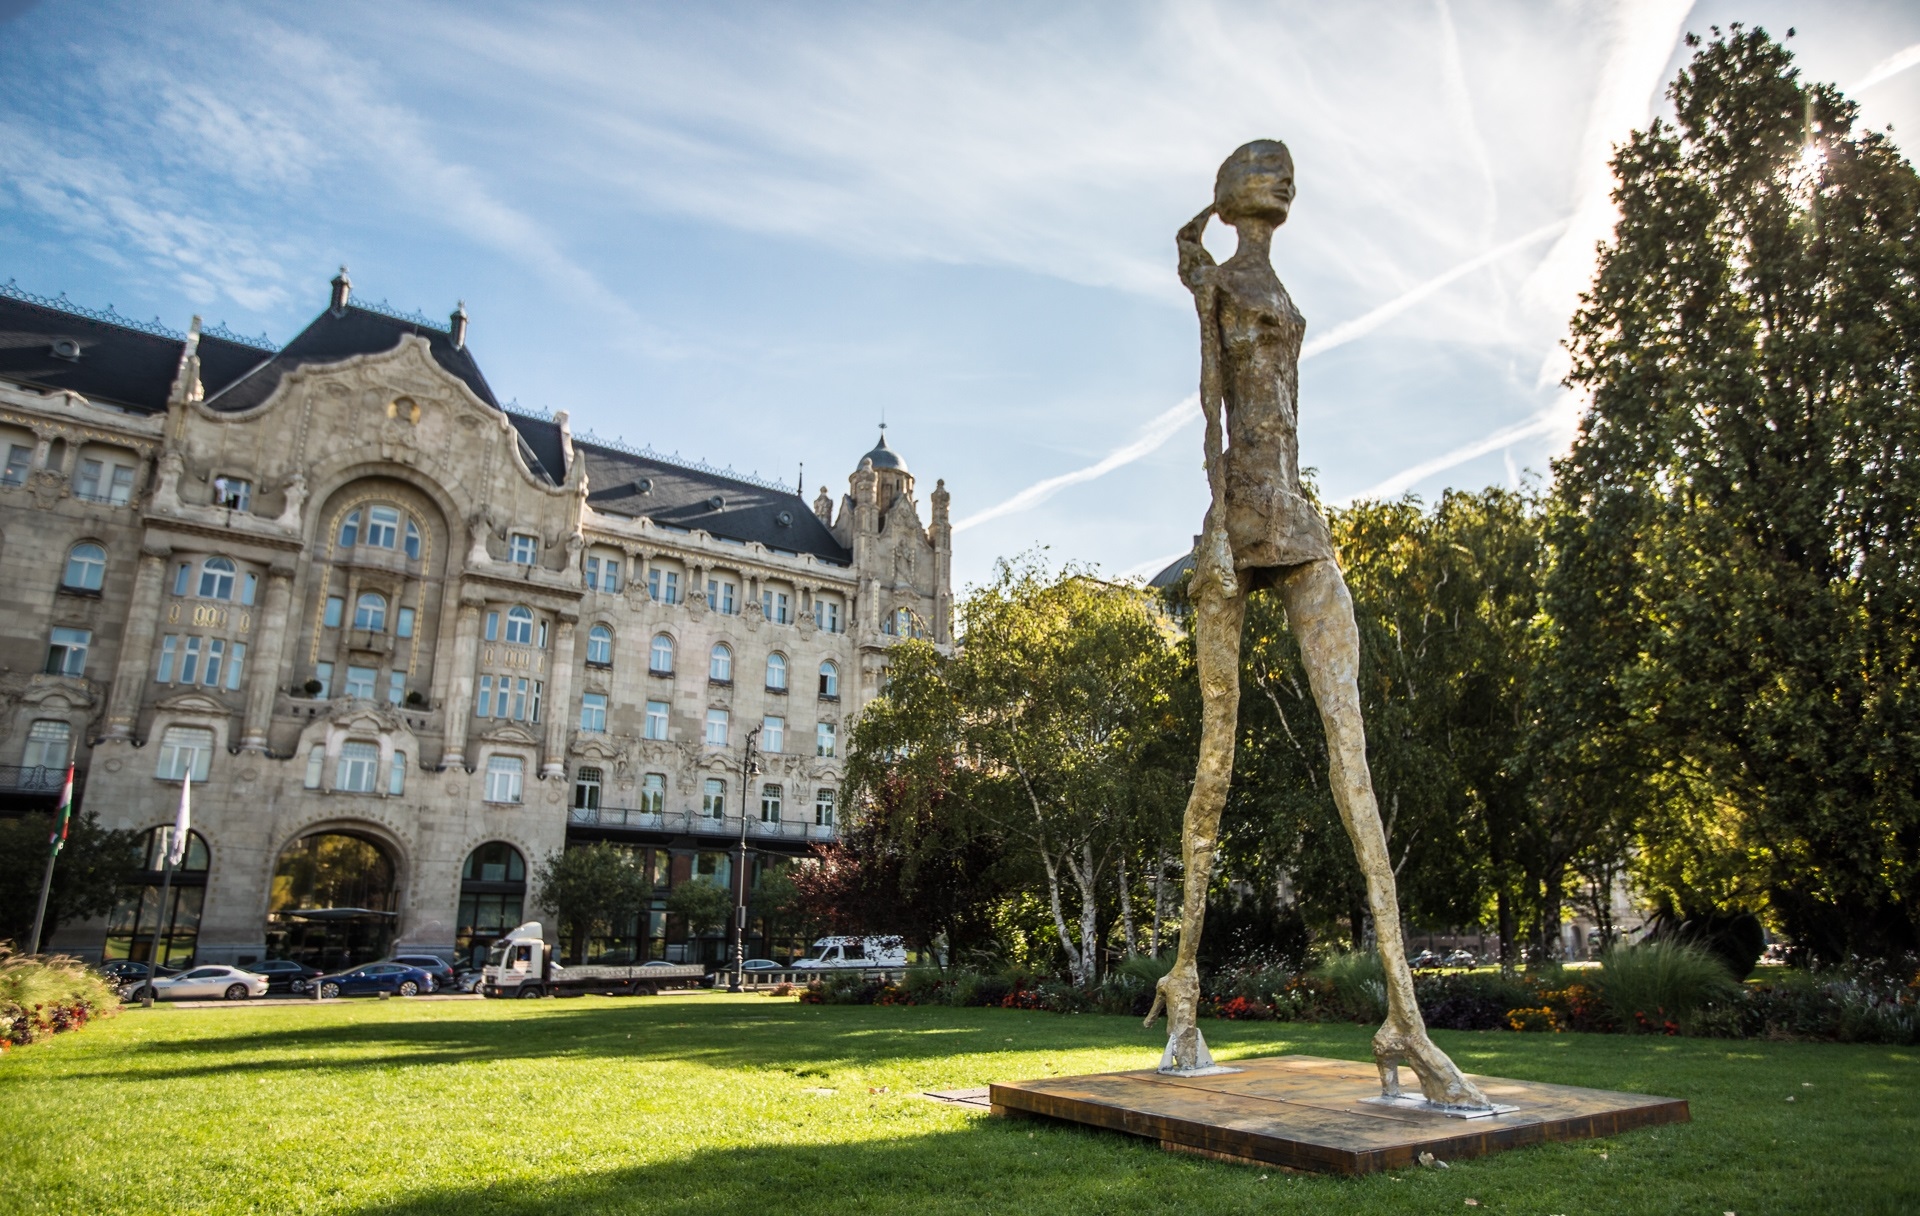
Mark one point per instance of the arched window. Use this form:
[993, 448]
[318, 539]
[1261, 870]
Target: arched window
[493, 885]
[350, 529]
[383, 527]
[370, 612]
[86, 567]
[413, 541]
[520, 626]
[600, 646]
[586, 790]
[720, 664]
[660, 658]
[829, 679]
[134, 924]
[216, 579]
[503, 778]
[777, 672]
[183, 750]
[47, 748]
[354, 772]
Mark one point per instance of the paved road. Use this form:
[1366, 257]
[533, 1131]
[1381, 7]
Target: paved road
[259, 1002]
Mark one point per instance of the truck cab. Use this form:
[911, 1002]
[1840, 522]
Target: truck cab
[829, 953]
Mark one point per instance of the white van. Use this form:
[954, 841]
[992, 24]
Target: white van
[831, 952]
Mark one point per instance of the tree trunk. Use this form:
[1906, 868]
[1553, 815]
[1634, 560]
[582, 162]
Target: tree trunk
[1074, 962]
[1127, 942]
[1159, 900]
[1503, 904]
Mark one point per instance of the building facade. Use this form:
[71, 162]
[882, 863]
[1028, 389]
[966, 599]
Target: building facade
[405, 643]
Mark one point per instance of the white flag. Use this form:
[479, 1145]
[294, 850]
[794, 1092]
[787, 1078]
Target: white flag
[182, 822]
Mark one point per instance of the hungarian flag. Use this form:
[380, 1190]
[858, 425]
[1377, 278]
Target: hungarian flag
[58, 840]
[181, 823]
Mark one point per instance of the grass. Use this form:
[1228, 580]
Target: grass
[698, 1104]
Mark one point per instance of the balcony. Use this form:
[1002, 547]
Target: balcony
[693, 823]
[31, 779]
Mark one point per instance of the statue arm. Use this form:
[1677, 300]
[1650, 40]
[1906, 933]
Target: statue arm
[1195, 262]
[1214, 562]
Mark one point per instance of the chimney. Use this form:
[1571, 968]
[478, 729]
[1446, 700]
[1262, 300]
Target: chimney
[459, 327]
[342, 288]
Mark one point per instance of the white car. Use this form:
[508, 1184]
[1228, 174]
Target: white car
[204, 983]
[830, 953]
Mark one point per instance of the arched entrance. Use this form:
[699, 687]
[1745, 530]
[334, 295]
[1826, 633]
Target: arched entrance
[334, 900]
[136, 921]
[493, 889]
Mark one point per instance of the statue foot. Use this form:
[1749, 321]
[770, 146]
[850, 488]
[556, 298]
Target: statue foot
[1179, 993]
[1441, 1082]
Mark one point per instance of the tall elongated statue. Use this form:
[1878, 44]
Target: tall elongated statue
[1262, 533]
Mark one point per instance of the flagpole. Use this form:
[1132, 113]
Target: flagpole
[56, 840]
[176, 843]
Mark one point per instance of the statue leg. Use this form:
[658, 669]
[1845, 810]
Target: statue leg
[1320, 613]
[1218, 616]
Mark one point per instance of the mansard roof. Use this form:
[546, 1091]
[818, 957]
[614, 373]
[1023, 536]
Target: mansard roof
[341, 334]
[114, 360]
[677, 496]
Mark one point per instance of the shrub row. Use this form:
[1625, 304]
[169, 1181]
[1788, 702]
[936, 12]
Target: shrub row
[44, 995]
[1659, 988]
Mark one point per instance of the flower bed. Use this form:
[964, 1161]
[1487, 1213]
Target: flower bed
[48, 994]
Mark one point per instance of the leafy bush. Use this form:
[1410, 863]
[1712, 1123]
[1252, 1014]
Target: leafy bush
[43, 995]
[1470, 1000]
[1359, 984]
[1654, 983]
[850, 988]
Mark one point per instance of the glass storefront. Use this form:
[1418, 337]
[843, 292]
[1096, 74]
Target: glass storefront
[493, 890]
[333, 901]
[135, 921]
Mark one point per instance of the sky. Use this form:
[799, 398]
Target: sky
[749, 233]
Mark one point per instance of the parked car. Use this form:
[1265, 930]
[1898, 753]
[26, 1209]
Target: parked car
[284, 974]
[1426, 958]
[372, 978]
[126, 971]
[201, 983]
[831, 952]
[433, 965]
[722, 977]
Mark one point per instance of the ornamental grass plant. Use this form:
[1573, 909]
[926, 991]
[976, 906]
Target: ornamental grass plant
[1359, 984]
[1657, 985]
[44, 994]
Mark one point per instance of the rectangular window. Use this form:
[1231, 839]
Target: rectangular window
[19, 460]
[120, 491]
[716, 728]
[775, 606]
[769, 804]
[168, 645]
[249, 587]
[823, 739]
[67, 651]
[360, 682]
[181, 573]
[533, 703]
[323, 674]
[86, 483]
[773, 735]
[335, 607]
[610, 574]
[483, 704]
[397, 775]
[713, 798]
[47, 745]
[216, 654]
[592, 568]
[823, 809]
[316, 765]
[653, 793]
[656, 720]
[593, 712]
[233, 493]
[523, 550]
[183, 750]
[493, 626]
[503, 778]
[354, 772]
[235, 658]
[519, 713]
[586, 789]
[720, 596]
[190, 660]
[396, 687]
[826, 614]
[383, 527]
[653, 585]
[403, 625]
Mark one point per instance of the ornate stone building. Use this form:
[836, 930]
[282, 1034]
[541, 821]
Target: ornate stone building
[409, 643]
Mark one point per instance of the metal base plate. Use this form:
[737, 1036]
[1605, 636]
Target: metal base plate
[1419, 1102]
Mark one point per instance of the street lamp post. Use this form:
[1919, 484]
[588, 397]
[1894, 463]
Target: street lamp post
[748, 771]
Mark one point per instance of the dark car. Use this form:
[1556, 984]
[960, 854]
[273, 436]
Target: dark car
[284, 974]
[444, 978]
[126, 971]
[374, 978]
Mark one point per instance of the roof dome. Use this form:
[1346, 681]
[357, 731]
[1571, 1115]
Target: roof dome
[884, 457]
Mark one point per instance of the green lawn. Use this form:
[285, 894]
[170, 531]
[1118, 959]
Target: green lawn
[699, 1104]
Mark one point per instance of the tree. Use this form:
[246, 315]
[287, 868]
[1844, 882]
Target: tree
[704, 904]
[597, 888]
[1733, 593]
[88, 878]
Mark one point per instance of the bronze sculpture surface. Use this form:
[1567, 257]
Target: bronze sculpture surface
[1261, 532]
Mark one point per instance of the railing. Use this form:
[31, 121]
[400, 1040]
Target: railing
[800, 977]
[31, 779]
[694, 823]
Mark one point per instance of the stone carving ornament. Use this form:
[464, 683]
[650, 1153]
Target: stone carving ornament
[1261, 532]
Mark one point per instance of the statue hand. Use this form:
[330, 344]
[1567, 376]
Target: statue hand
[1195, 261]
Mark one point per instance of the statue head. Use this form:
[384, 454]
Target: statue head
[1256, 182]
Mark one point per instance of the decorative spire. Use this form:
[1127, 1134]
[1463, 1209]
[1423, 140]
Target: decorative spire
[458, 328]
[342, 288]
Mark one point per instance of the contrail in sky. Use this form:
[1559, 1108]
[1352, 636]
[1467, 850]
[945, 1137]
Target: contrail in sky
[1562, 415]
[1166, 425]
[1888, 68]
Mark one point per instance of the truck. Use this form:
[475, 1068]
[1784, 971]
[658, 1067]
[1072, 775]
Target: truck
[521, 965]
[836, 953]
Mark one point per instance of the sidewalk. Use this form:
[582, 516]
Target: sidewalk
[281, 1001]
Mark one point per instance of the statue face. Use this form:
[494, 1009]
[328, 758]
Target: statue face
[1256, 182]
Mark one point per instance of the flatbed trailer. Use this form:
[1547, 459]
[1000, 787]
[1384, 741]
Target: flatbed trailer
[521, 965]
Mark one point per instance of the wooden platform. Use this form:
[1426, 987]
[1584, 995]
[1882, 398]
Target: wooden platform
[1310, 1113]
